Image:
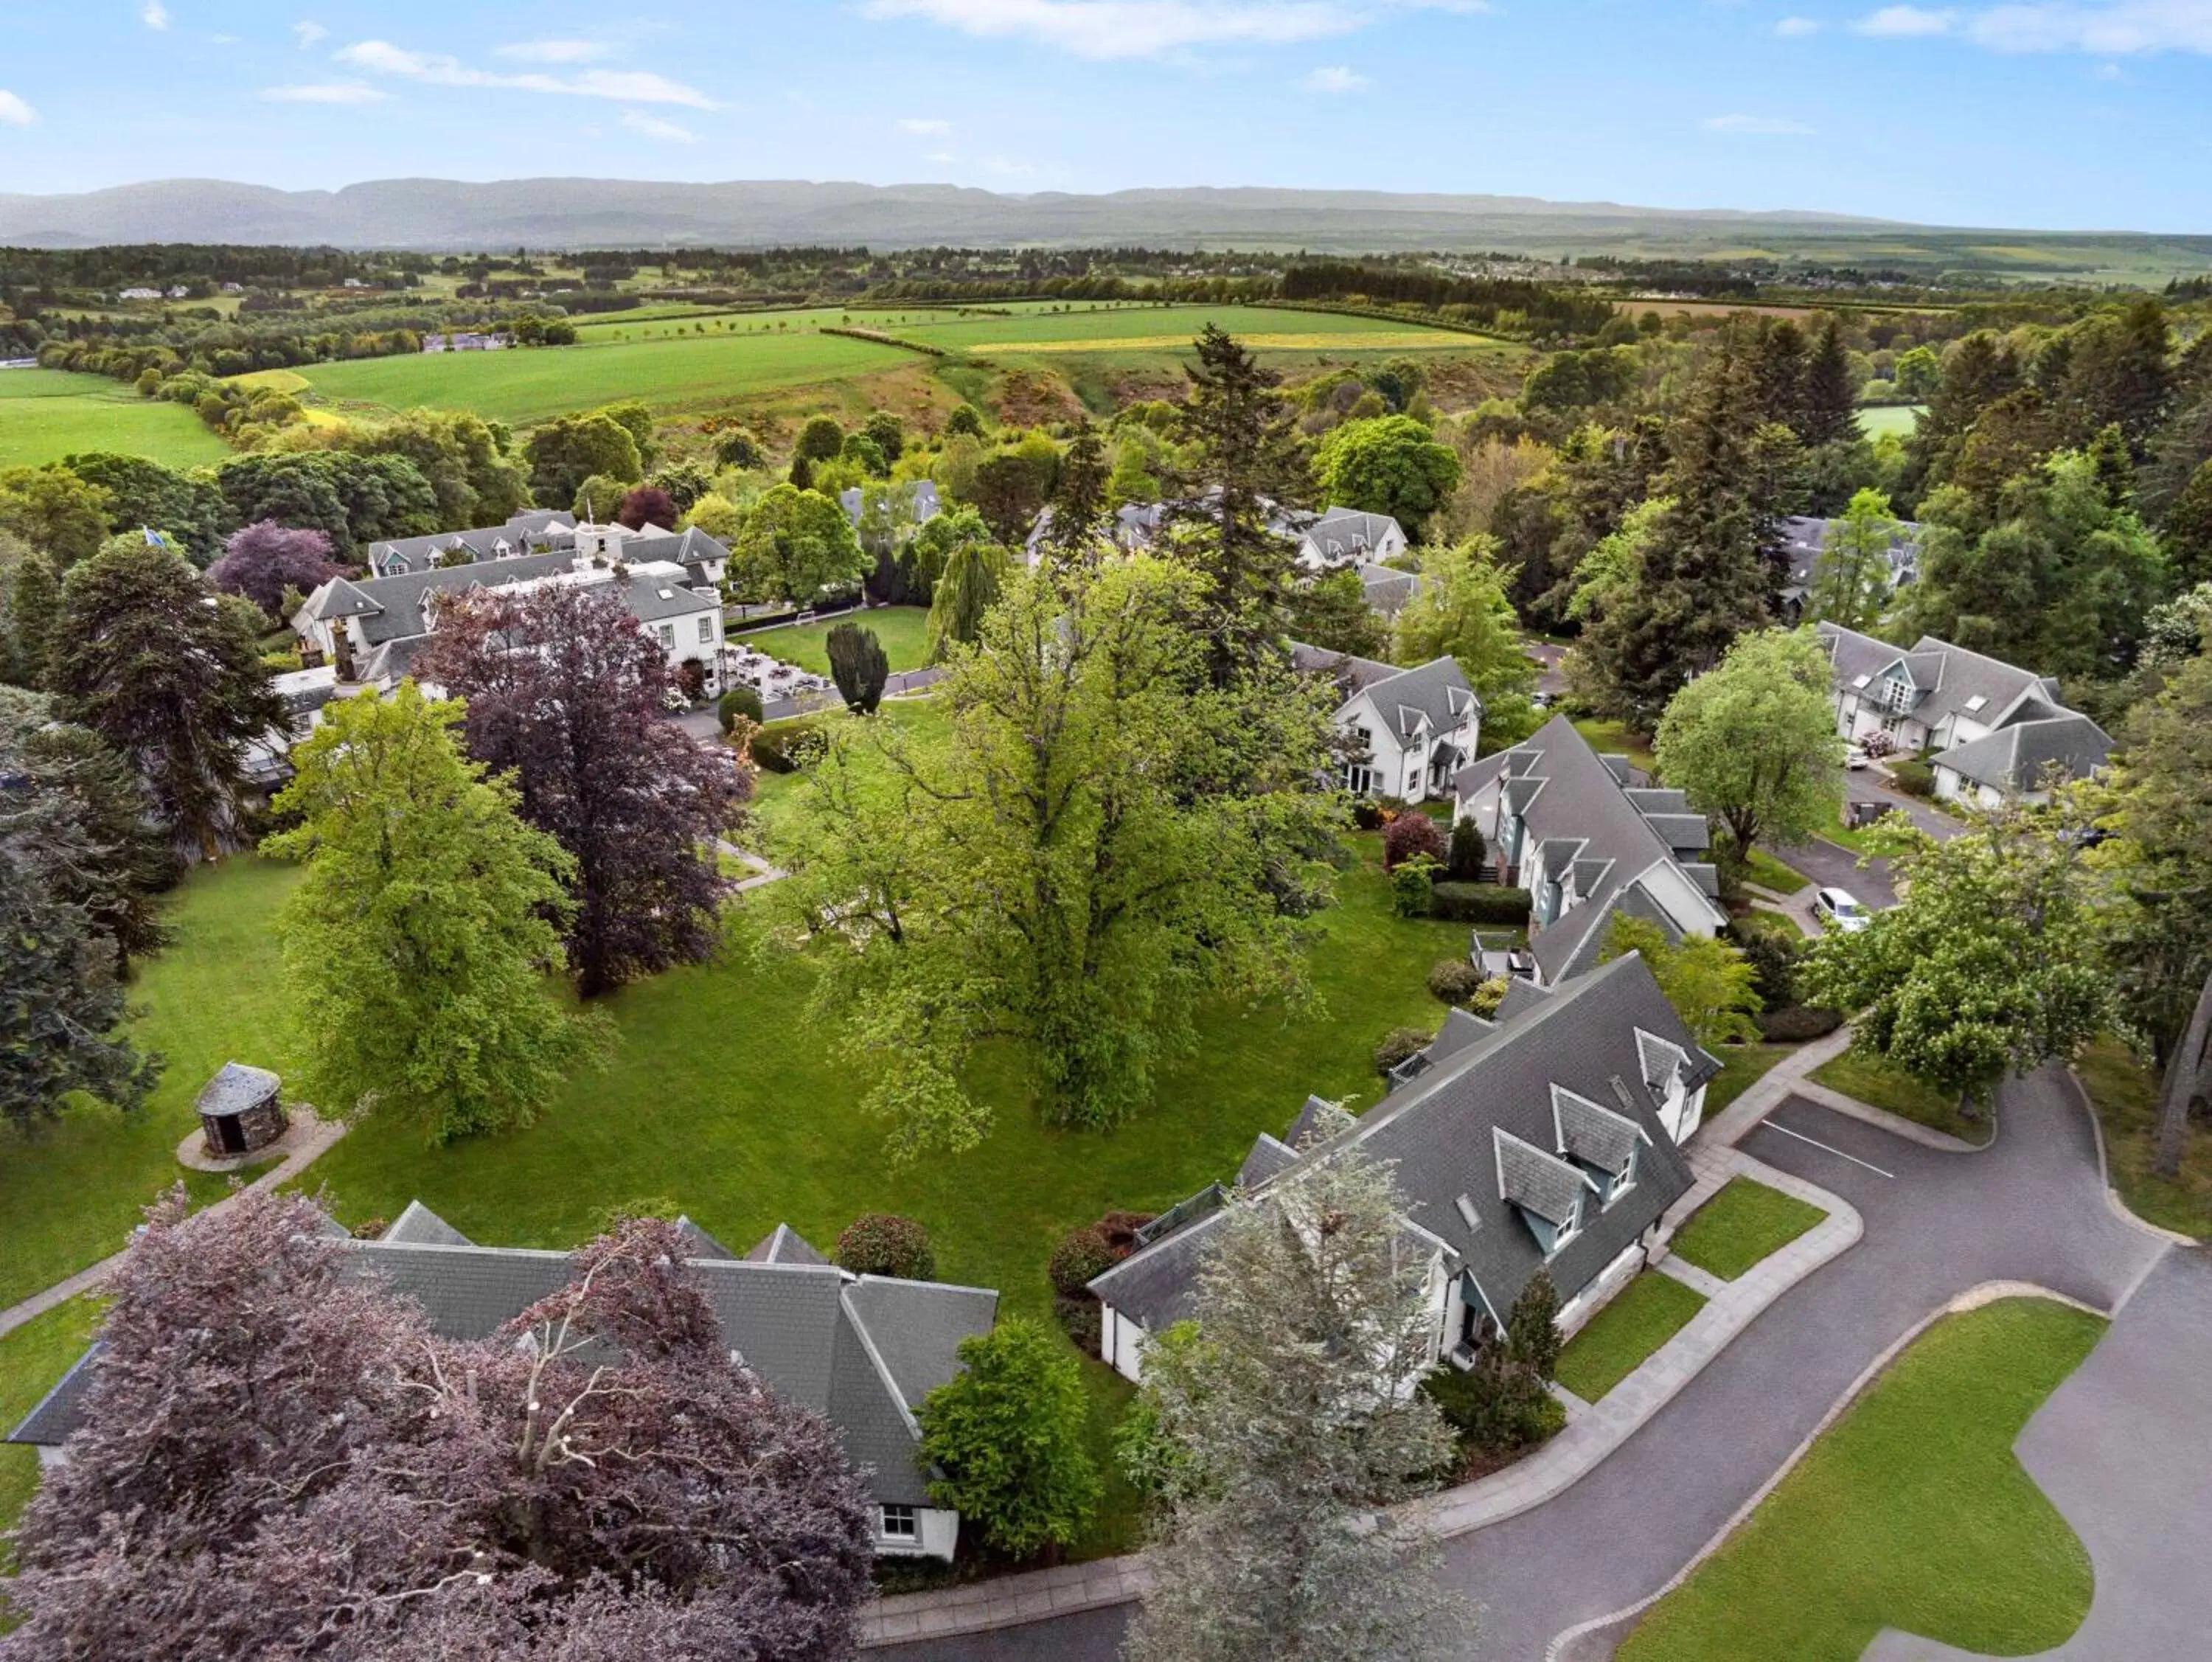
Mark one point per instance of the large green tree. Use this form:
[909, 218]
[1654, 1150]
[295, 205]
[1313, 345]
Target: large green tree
[142, 494]
[565, 452]
[795, 546]
[1989, 965]
[1277, 1431]
[1108, 837]
[1851, 576]
[1461, 611]
[1752, 743]
[1011, 1432]
[145, 653]
[462, 456]
[1712, 986]
[1332, 612]
[1240, 458]
[416, 945]
[56, 512]
[1390, 465]
[975, 573]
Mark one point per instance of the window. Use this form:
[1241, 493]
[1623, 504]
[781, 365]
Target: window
[668, 634]
[901, 1523]
[706, 630]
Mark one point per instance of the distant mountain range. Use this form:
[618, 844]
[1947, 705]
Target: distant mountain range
[553, 213]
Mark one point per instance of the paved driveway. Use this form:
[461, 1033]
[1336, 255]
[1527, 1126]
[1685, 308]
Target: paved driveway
[1831, 865]
[2119, 1448]
[2030, 1208]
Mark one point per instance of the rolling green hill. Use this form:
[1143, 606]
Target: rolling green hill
[47, 414]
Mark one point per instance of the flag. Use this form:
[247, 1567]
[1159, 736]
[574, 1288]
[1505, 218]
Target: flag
[154, 538]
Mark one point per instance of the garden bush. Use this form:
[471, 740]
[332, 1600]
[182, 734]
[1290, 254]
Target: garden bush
[1913, 776]
[788, 749]
[885, 1243]
[1403, 1042]
[1793, 1024]
[738, 701]
[1366, 813]
[1081, 1255]
[1083, 1321]
[1413, 887]
[1454, 980]
[1497, 1407]
[1773, 963]
[1121, 1229]
[1482, 903]
[1485, 999]
[1466, 857]
[1410, 836]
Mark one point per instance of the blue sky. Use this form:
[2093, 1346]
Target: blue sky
[2057, 114]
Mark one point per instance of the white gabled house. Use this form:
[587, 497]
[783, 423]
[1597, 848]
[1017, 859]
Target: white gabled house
[1547, 1139]
[1340, 537]
[1408, 730]
[1998, 731]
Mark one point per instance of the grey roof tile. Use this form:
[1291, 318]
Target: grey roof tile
[916, 1327]
[418, 1226]
[1269, 1155]
[1593, 1132]
[2015, 757]
[1536, 1181]
[235, 1087]
[783, 1245]
[48, 1423]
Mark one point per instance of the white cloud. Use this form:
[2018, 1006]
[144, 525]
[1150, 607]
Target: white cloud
[14, 111]
[653, 127]
[1336, 78]
[326, 92]
[1762, 125]
[1905, 24]
[627, 86]
[929, 127]
[555, 52]
[1007, 167]
[2105, 28]
[1797, 28]
[1154, 28]
[309, 34]
[2111, 72]
[153, 14]
[940, 155]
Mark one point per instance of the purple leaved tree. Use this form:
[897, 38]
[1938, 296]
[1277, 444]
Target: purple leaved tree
[566, 691]
[262, 560]
[280, 1460]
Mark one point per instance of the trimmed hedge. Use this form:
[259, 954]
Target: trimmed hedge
[1913, 776]
[1795, 1023]
[1482, 903]
[885, 1244]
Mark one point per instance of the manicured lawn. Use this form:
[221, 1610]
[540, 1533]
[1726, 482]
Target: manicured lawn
[1764, 869]
[1876, 419]
[33, 1359]
[1910, 1513]
[1882, 1084]
[70, 1193]
[47, 414]
[723, 1096]
[1650, 1311]
[2125, 1094]
[927, 724]
[1744, 1224]
[1742, 1066]
[1613, 738]
[903, 631]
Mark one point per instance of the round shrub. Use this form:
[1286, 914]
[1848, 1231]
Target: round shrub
[1366, 813]
[885, 1243]
[1081, 1255]
[786, 749]
[1485, 999]
[1082, 1320]
[1409, 836]
[738, 701]
[369, 1229]
[1403, 1042]
[1121, 1229]
[1454, 980]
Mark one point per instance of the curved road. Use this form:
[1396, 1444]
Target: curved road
[2031, 1208]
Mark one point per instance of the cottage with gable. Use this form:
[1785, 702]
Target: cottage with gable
[862, 1351]
[1409, 730]
[1997, 731]
[1340, 537]
[1547, 1139]
[1590, 842]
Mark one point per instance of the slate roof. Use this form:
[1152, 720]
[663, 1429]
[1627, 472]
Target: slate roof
[484, 544]
[1342, 535]
[1388, 589]
[1442, 1134]
[1952, 680]
[1269, 1155]
[1593, 1132]
[1437, 692]
[49, 1424]
[783, 1245]
[862, 1350]
[1574, 799]
[2014, 758]
[395, 603]
[1803, 539]
[1350, 673]
[235, 1088]
[922, 499]
[691, 547]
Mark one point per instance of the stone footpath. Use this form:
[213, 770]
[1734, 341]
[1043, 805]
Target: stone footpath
[1593, 1431]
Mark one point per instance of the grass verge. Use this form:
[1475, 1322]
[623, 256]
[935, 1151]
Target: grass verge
[1742, 1066]
[33, 1359]
[1769, 873]
[1881, 1084]
[1743, 1225]
[2124, 1093]
[1910, 1513]
[1650, 1311]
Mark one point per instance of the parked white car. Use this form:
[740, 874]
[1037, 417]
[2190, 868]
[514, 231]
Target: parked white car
[1839, 909]
[1854, 758]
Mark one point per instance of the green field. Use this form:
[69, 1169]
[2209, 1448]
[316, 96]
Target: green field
[682, 364]
[1910, 1513]
[903, 631]
[47, 414]
[1876, 419]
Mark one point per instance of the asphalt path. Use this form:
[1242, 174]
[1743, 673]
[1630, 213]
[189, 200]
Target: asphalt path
[2029, 1208]
[1831, 865]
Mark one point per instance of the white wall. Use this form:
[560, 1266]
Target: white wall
[1122, 1342]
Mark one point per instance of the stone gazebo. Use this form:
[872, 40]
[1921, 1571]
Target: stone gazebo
[239, 1110]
